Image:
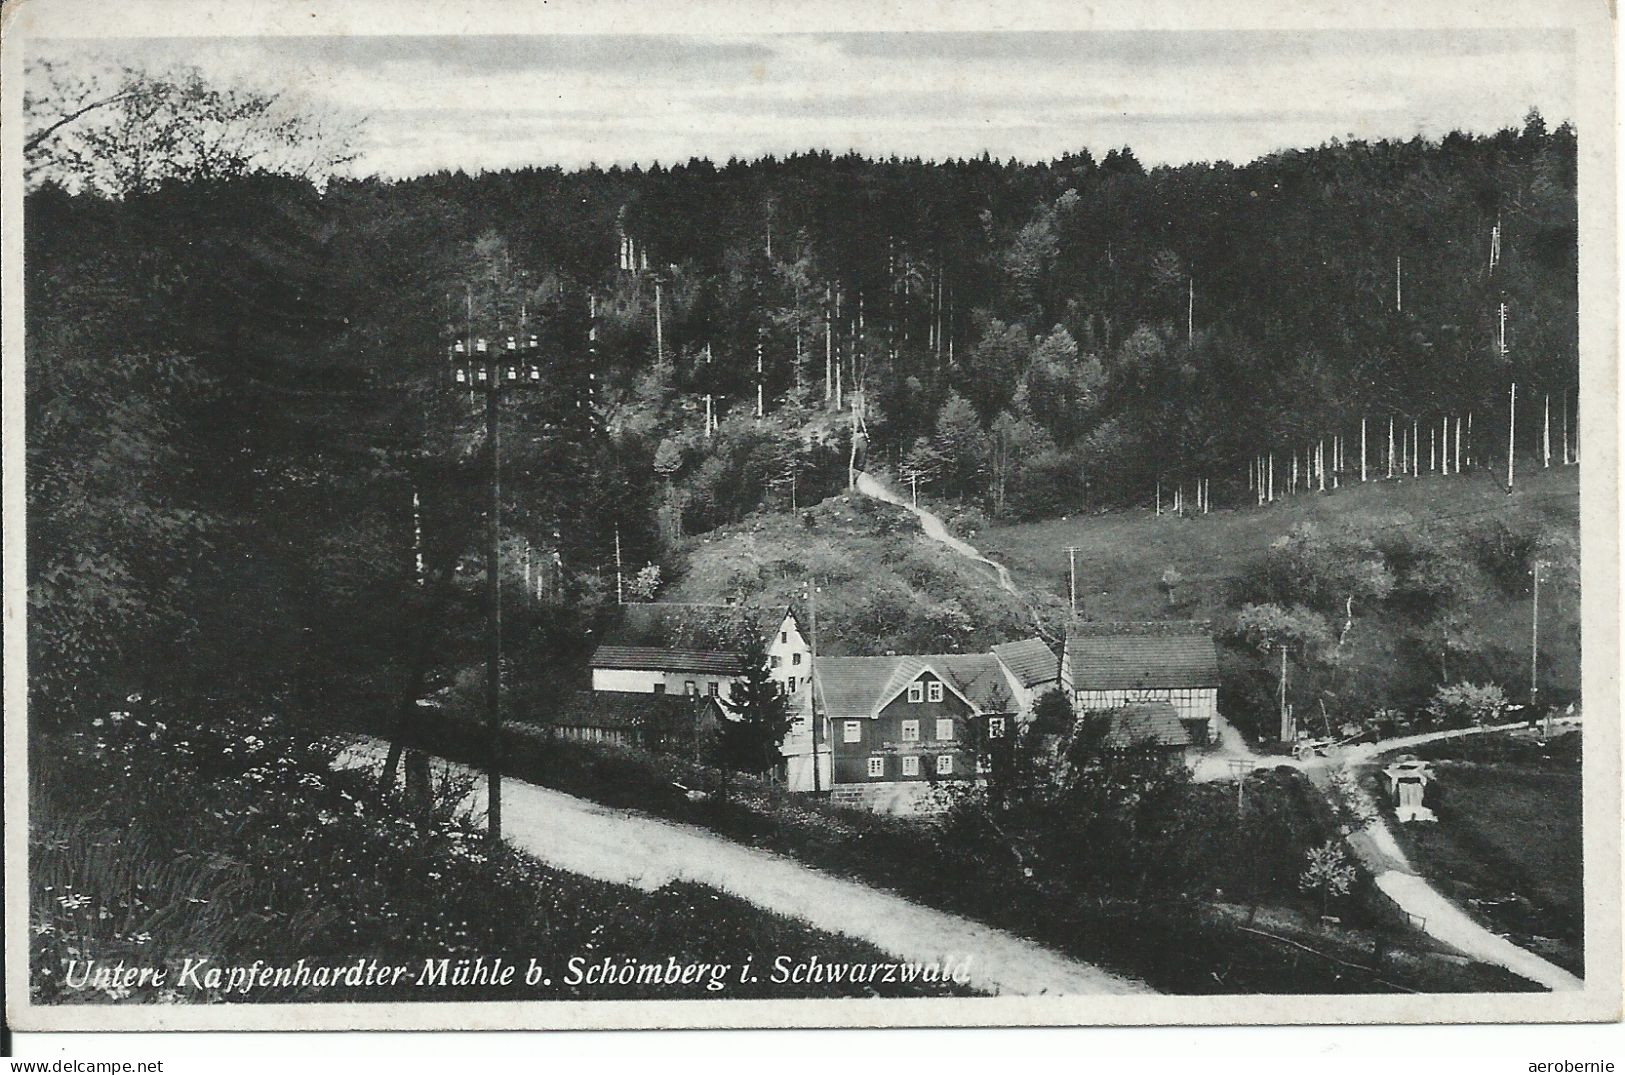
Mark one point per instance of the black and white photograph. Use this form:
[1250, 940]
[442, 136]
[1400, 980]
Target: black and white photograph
[572, 521]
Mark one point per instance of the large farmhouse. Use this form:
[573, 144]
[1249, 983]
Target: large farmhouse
[1153, 662]
[903, 723]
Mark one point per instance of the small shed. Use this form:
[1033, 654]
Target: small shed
[672, 723]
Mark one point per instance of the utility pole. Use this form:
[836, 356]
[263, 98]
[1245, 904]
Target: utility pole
[1512, 429]
[1534, 642]
[475, 367]
[812, 680]
[620, 593]
[1072, 578]
[1286, 714]
[660, 337]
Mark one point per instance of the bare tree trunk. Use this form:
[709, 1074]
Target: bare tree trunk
[1546, 435]
[829, 354]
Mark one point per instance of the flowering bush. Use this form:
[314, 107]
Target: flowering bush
[160, 838]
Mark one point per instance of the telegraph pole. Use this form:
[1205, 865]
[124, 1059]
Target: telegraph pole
[1286, 714]
[473, 368]
[1512, 429]
[812, 680]
[1072, 577]
[1534, 643]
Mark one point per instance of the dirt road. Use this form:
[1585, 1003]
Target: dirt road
[633, 849]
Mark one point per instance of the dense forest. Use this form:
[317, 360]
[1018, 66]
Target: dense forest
[250, 474]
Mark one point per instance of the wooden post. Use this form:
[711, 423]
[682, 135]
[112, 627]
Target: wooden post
[660, 338]
[620, 593]
[493, 597]
[1512, 431]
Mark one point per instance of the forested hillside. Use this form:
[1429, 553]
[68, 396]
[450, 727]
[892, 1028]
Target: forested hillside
[241, 420]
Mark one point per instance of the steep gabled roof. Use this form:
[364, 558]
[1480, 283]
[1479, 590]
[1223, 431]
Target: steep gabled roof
[1030, 660]
[694, 625]
[656, 659]
[1150, 724]
[979, 678]
[862, 686]
[1139, 662]
[850, 686]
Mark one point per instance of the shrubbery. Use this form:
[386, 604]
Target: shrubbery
[158, 836]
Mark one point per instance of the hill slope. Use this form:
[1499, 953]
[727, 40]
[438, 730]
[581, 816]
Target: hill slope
[1122, 558]
[884, 586]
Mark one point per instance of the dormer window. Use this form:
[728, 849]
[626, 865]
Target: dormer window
[934, 691]
[916, 692]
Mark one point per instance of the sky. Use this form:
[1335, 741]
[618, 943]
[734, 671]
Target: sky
[484, 102]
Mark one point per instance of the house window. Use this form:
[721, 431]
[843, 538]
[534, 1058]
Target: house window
[774, 661]
[711, 688]
[795, 658]
[877, 765]
[935, 693]
[690, 687]
[852, 731]
[784, 636]
[916, 692]
[945, 728]
[660, 688]
[911, 765]
[945, 764]
[995, 727]
[911, 731]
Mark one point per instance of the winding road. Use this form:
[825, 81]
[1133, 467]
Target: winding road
[1431, 911]
[634, 849]
[1378, 851]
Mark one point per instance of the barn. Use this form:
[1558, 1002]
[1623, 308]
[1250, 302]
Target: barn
[1127, 664]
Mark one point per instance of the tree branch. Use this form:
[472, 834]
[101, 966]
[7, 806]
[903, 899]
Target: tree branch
[39, 138]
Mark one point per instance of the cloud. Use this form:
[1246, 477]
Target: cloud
[498, 101]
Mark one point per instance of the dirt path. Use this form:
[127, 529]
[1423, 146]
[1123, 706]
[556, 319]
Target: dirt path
[1433, 912]
[632, 849]
[936, 530]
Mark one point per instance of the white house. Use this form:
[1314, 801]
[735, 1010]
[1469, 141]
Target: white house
[698, 649]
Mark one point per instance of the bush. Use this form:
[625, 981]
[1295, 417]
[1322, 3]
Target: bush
[1462, 705]
[232, 837]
